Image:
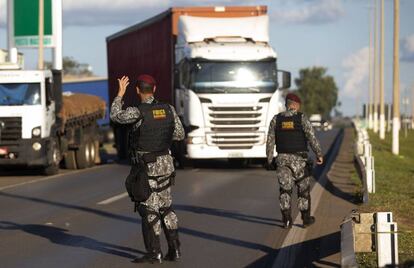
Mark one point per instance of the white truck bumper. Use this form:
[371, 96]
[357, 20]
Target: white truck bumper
[204, 151]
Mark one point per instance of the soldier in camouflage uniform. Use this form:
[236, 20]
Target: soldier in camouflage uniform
[154, 126]
[290, 132]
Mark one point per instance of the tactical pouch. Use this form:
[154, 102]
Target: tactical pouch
[137, 184]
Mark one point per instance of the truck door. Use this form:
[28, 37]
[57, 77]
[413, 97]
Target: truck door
[181, 86]
[50, 107]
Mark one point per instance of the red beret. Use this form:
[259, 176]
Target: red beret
[293, 97]
[147, 79]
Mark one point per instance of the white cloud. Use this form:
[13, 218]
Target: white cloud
[310, 12]
[124, 12]
[356, 71]
[407, 48]
[70, 5]
[2, 13]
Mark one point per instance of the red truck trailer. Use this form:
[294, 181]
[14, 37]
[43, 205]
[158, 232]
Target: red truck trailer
[149, 47]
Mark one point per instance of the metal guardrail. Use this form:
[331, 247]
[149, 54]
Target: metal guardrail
[368, 232]
[364, 160]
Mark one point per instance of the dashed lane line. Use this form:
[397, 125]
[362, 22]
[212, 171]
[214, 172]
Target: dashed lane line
[113, 199]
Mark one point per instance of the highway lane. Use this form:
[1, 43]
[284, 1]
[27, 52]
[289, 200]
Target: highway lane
[228, 218]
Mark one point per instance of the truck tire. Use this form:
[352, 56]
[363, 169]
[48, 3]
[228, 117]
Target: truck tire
[97, 153]
[92, 153]
[54, 158]
[83, 155]
[70, 160]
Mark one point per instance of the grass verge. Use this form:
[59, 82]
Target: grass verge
[394, 192]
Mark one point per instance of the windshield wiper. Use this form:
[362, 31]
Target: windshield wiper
[221, 90]
[254, 89]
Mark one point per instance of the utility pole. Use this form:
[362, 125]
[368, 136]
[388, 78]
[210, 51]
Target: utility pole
[375, 67]
[412, 107]
[41, 35]
[382, 109]
[396, 81]
[405, 117]
[370, 102]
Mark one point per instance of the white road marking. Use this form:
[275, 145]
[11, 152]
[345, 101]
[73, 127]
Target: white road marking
[49, 178]
[113, 199]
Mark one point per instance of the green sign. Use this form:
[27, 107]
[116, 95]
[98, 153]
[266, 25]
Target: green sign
[26, 23]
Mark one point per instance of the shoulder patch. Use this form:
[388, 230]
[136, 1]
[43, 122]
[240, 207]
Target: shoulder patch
[288, 125]
[159, 114]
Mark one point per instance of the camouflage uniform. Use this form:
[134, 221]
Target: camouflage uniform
[157, 208]
[291, 168]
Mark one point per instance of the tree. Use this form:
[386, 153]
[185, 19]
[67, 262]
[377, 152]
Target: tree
[73, 68]
[317, 90]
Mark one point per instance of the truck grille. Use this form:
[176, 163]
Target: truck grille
[235, 127]
[10, 128]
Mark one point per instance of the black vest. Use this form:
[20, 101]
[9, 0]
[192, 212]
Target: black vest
[290, 137]
[156, 129]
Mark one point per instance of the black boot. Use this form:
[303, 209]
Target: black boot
[151, 239]
[149, 258]
[307, 218]
[174, 253]
[287, 219]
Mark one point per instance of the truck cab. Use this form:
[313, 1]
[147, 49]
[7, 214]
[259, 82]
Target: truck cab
[28, 104]
[227, 87]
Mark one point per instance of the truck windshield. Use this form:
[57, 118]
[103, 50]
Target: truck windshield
[234, 77]
[20, 94]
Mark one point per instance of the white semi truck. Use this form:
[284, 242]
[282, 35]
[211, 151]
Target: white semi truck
[225, 85]
[227, 93]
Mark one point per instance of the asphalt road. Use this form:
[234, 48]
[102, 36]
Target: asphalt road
[228, 218]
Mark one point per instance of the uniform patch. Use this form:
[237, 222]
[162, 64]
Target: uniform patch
[288, 125]
[159, 114]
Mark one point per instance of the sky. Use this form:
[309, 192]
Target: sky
[304, 33]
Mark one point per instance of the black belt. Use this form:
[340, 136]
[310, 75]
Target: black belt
[147, 158]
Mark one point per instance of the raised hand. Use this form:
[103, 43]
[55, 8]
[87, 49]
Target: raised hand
[319, 161]
[123, 84]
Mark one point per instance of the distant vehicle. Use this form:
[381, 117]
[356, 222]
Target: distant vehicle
[316, 121]
[39, 126]
[215, 66]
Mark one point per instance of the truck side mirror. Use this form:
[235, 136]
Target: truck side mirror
[49, 92]
[286, 79]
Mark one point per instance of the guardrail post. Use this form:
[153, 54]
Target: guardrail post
[386, 239]
[348, 257]
[370, 173]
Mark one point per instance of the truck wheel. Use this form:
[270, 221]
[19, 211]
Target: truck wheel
[97, 153]
[53, 159]
[83, 155]
[92, 153]
[70, 160]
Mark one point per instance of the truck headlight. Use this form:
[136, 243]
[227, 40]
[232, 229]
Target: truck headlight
[196, 140]
[37, 146]
[36, 132]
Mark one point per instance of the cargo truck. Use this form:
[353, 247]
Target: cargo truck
[39, 126]
[215, 66]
